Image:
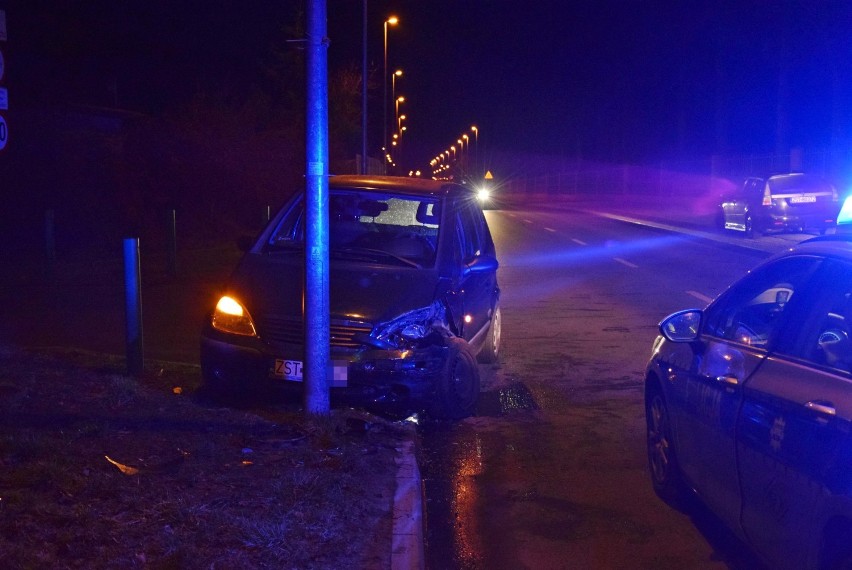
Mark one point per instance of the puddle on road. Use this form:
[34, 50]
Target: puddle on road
[514, 397]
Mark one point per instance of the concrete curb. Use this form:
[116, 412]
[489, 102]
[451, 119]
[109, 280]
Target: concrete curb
[407, 551]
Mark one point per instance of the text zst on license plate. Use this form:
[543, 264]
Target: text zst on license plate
[288, 370]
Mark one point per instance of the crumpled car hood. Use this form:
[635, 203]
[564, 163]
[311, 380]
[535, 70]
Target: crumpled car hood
[273, 285]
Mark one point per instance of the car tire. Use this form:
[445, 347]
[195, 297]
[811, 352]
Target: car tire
[457, 392]
[662, 459]
[490, 352]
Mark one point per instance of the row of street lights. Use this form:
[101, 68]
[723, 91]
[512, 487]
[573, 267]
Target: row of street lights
[399, 128]
[455, 162]
[390, 21]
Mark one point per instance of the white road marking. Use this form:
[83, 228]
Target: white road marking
[550, 230]
[527, 221]
[625, 262]
[699, 296]
[578, 241]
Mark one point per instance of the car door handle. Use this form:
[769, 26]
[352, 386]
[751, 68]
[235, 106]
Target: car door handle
[729, 379]
[824, 408]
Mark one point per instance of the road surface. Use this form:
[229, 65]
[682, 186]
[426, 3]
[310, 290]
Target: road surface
[552, 472]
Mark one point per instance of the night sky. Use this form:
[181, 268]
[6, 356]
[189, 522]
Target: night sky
[611, 80]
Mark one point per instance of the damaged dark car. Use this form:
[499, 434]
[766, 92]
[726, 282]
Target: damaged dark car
[414, 300]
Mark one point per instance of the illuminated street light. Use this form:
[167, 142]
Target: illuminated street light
[393, 20]
[399, 100]
[475, 150]
[394, 75]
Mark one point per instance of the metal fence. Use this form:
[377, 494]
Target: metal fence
[712, 175]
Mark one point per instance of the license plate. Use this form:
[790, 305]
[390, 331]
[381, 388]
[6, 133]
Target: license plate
[803, 199]
[291, 370]
[288, 370]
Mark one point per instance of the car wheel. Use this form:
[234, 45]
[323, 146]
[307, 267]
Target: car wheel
[749, 225]
[458, 388]
[490, 353]
[662, 459]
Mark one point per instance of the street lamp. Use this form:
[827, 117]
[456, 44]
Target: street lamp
[393, 20]
[364, 88]
[394, 75]
[476, 150]
[397, 101]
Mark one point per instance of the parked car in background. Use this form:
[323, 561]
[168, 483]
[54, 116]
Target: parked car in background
[787, 202]
[414, 299]
[749, 406]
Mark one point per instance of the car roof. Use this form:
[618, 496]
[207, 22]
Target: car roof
[402, 184]
[831, 245]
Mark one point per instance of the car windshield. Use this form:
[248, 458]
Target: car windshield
[381, 227]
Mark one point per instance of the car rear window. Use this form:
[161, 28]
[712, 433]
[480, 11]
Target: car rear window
[799, 185]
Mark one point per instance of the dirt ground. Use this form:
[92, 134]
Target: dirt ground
[101, 470]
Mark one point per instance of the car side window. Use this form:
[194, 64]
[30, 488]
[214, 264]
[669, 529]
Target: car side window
[469, 235]
[825, 338]
[752, 311]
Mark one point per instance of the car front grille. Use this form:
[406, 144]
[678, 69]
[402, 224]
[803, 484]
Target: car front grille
[292, 331]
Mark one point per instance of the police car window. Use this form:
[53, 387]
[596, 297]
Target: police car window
[752, 311]
[826, 331]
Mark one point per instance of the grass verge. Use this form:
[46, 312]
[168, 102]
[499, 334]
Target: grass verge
[100, 470]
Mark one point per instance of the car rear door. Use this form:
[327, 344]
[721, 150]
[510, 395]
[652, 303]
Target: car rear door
[737, 207]
[795, 418]
[734, 207]
[475, 290]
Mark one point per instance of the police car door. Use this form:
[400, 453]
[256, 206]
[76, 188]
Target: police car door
[796, 413]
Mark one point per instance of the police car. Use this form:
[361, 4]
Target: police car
[749, 405]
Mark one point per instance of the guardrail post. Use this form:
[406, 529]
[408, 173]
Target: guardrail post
[133, 306]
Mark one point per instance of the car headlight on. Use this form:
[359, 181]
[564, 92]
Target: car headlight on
[412, 326]
[483, 195]
[231, 316]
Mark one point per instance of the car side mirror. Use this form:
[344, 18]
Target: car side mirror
[481, 264]
[682, 326]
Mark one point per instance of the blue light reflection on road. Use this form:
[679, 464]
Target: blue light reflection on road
[578, 256]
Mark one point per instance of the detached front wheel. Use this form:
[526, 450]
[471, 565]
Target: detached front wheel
[457, 392]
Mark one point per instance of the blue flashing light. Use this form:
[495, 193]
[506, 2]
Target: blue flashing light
[845, 215]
